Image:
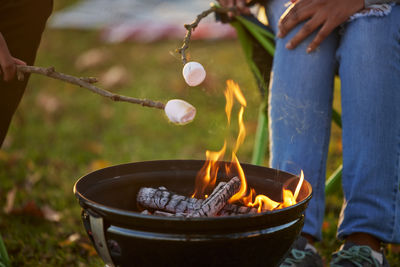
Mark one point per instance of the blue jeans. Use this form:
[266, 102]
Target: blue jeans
[366, 51]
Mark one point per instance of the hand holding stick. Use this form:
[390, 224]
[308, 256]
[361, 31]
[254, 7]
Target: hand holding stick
[182, 112]
[86, 82]
[177, 111]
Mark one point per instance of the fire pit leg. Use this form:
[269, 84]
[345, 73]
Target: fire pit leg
[97, 228]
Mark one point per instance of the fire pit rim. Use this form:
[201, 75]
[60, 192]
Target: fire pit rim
[108, 209]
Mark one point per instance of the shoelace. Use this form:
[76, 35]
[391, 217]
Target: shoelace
[296, 256]
[356, 255]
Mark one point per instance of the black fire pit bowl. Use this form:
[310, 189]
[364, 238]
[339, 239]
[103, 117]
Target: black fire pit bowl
[123, 236]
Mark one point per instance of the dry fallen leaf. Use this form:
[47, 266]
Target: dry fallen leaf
[88, 248]
[50, 104]
[98, 164]
[94, 147]
[114, 77]
[4, 156]
[70, 240]
[29, 209]
[10, 200]
[31, 180]
[92, 58]
[50, 214]
[11, 158]
[82, 241]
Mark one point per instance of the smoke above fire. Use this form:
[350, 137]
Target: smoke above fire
[207, 176]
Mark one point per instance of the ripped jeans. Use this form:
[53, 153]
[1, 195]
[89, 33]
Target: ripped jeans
[366, 51]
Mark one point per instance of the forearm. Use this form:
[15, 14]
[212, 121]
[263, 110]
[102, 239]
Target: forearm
[367, 3]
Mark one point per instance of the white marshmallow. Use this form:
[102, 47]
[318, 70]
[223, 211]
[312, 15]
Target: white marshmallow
[194, 73]
[179, 111]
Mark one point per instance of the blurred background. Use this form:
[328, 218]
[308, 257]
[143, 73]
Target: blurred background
[61, 132]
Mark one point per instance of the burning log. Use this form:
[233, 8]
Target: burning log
[167, 214]
[146, 212]
[232, 209]
[218, 199]
[152, 198]
[162, 199]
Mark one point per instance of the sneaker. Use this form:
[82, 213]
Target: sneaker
[302, 254]
[352, 255]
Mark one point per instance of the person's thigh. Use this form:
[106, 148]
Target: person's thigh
[300, 103]
[22, 23]
[369, 56]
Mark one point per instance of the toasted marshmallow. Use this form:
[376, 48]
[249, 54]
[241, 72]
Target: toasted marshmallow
[179, 111]
[194, 73]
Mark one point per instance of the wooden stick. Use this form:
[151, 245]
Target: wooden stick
[192, 26]
[86, 83]
[218, 200]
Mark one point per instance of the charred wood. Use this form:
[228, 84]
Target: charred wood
[162, 199]
[149, 198]
[218, 199]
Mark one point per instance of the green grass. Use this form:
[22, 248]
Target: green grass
[58, 147]
[46, 152]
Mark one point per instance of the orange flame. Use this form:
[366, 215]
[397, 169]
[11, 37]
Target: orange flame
[297, 191]
[229, 104]
[235, 89]
[207, 176]
[242, 132]
[264, 203]
[243, 187]
[288, 199]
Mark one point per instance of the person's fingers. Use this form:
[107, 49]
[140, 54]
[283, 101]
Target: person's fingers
[228, 4]
[326, 29]
[9, 70]
[242, 8]
[224, 3]
[239, 4]
[6, 61]
[18, 61]
[309, 27]
[295, 14]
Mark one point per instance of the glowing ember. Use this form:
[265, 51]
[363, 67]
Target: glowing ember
[207, 176]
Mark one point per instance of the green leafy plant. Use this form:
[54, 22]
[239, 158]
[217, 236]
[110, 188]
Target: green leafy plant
[4, 260]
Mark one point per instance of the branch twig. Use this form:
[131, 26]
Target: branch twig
[86, 82]
[192, 26]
